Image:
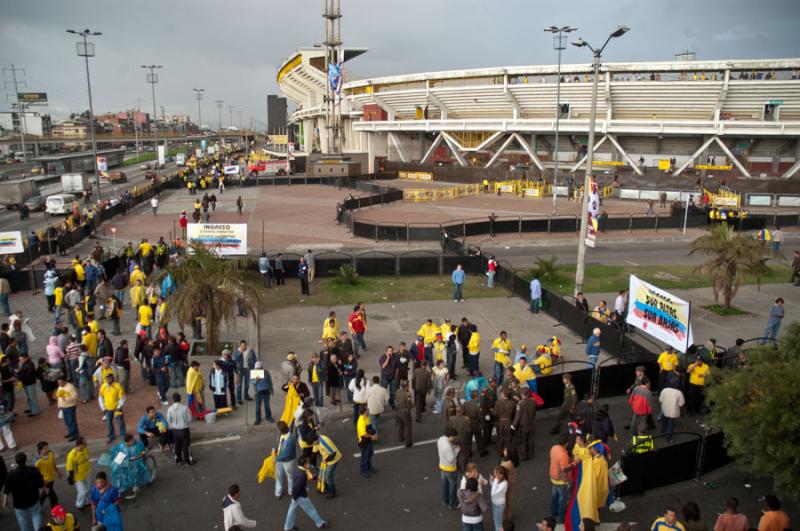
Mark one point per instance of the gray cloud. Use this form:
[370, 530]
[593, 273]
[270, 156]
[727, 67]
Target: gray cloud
[232, 48]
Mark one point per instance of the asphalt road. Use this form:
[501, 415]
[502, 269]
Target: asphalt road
[9, 219]
[404, 494]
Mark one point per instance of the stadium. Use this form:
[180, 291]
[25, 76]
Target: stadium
[663, 121]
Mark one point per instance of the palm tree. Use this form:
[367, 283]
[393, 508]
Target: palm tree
[733, 256]
[210, 285]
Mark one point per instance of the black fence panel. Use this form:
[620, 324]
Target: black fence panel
[614, 380]
[281, 181]
[575, 319]
[670, 222]
[313, 180]
[470, 264]
[753, 223]
[19, 280]
[615, 224]
[377, 265]
[425, 234]
[419, 265]
[395, 233]
[669, 464]
[475, 228]
[714, 453]
[363, 230]
[696, 219]
[454, 228]
[563, 225]
[534, 225]
[647, 222]
[551, 388]
[328, 264]
[787, 220]
[506, 226]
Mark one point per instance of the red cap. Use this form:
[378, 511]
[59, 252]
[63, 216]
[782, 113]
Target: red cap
[58, 512]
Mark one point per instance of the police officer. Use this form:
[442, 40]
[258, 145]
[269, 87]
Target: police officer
[402, 401]
[487, 404]
[472, 410]
[504, 410]
[524, 421]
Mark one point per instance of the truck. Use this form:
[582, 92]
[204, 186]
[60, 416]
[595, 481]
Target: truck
[12, 193]
[72, 183]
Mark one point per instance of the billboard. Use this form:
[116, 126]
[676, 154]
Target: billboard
[660, 314]
[11, 242]
[162, 155]
[225, 239]
[32, 97]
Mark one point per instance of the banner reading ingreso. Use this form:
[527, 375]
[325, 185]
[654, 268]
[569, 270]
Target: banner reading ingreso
[222, 238]
[660, 314]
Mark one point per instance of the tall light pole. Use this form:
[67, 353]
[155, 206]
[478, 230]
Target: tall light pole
[152, 78]
[86, 50]
[219, 108]
[559, 44]
[230, 114]
[580, 43]
[198, 94]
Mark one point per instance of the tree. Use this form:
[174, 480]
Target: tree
[733, 256]
[210, 285]
[755, 407]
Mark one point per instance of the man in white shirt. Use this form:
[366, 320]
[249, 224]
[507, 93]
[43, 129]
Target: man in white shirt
[671, 399]
[232, 513]
[620, 303]
[377, 399]
[154, 205]
[178, 419]
[448, 455]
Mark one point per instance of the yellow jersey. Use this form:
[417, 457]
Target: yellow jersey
[361, 427]
[145, 248]
[112, 396]
[667, 361]
[524, 374]
[145, 315]
[137, 274]
[474, 345]
[326, 448]
[698, 373]
[428, 332]
[545, 364]
[330, 331]
[438, 351]
[80, 273]
[501, 348]
[78, 463]
[90, 340]
[47, 467]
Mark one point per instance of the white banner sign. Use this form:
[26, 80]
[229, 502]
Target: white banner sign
[222, 238]
[162, 155]
[231, 170]
[11, 242]
[198, 153]
[102, 164]
[180, 159]
[660, 314]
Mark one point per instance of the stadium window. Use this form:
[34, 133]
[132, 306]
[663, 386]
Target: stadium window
[564, 110]
[770, 112]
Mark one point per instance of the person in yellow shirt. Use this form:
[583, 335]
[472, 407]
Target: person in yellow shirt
[544, 363]
[162, 315]
[194, 390]
[90, 340]
[667, 363]
[437, 349]
[145, 248]
[78, 468]
[46, 465]
[698, 374]
[330, 327]
[330, 455]
[502, 360]
[136, 275]
[428, 331]
[525, 374]
[112, 400]
[366, 433]
[146, 318]
[80, 273]
[93, 325]
[445, 329]
[137, 294]
[474, 351]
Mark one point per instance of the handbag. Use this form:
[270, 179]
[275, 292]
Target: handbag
[615, 475]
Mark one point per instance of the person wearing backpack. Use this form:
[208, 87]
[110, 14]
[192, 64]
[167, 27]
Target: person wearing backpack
[473, 506]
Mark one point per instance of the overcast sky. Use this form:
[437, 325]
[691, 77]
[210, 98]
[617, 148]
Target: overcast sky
[231, 48]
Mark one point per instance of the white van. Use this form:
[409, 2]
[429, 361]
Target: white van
[59, 204]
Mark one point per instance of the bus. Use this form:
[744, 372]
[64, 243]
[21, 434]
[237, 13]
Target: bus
[81, 162]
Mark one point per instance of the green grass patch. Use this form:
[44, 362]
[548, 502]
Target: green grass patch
[327, 292]
[725, 312]
[611, 278]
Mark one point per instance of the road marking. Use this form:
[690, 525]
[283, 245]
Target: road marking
[634, 264]
[399, 447]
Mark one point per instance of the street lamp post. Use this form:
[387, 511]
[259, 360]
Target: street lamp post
[152, 78]
[219, 108]
[86, 50]
[559, 40]
[198, 94]
[581, 266]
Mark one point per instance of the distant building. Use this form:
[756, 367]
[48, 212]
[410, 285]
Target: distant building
[35, 123]
[70, 129]
[276, 115]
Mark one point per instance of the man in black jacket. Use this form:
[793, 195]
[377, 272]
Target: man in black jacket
[26, 374]
[105, 349]
[229, 366]
[23, 484]
[300, 497]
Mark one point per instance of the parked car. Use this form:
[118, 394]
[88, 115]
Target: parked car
[35, 203]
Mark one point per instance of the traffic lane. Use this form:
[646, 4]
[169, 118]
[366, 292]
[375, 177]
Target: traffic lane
[10, 220]
[640, 253]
